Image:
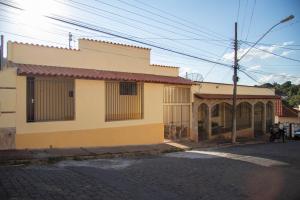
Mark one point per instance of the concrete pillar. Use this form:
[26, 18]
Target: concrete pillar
[273, 112]
[209, 122]
[264, 121]
[194, 120]
[252, 119]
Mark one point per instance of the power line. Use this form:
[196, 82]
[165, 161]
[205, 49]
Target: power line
[82, 25]
[206, 31]
[213, 67]
[269, 52]
[244, 18]
[282, 46]
[183, 44]
[238, 11]
[249, 76]
[251, 19]
[215, 57]
[153, 19]
[268, 44]
[282, 65]
[134, 40]
[267, 73]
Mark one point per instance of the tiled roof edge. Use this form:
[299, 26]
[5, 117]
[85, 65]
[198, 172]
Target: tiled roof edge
[42, 45]
[114, 43]
[158, 65]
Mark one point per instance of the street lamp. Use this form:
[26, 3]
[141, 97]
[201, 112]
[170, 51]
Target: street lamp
[235, 67]
[281, 22]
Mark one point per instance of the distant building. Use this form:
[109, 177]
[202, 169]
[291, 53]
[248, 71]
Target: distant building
[285, 114]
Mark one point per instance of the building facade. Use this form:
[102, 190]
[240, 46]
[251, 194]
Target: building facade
[103, 94]
[212, 110]
[108, 94]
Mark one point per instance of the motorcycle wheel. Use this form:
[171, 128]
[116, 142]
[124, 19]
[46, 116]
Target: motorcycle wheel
[272, 138]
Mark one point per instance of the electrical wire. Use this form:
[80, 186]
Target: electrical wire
[249, 27]
[272, 53]
[136, 27]
[244, 19]
[89, 27]
[185, 22]
[282, 46]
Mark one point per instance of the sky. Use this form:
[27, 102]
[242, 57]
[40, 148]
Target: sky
[201, 28]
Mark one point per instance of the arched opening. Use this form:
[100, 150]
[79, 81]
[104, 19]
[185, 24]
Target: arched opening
[258, 118]
[221, 118]
[243, 117]
[269, 115]
[202, 122]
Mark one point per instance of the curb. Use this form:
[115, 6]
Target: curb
[107, 155]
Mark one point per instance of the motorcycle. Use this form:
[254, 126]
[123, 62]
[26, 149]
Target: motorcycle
[276, 133]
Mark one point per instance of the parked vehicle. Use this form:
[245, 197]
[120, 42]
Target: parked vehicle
[297, 134]
[277, 132]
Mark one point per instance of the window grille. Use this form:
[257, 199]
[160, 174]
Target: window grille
[124, 100]
[50, 99]
[128, 88]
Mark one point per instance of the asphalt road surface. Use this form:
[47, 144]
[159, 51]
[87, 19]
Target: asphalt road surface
[261, 171]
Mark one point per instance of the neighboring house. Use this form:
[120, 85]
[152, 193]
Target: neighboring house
[212, 115]
[108, 94]
[285, 114]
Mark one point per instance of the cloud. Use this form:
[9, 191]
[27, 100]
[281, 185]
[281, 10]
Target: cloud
[256, 53]
[285, 53]
[287, 43]
[279, 79]
[253, 67]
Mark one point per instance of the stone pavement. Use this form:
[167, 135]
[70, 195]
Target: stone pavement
[178, 175]
[51, 155]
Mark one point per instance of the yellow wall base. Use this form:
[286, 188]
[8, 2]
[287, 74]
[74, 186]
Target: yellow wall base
[118, 136]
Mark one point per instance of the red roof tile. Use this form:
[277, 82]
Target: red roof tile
[229, 96]
[80, 73]
[115, 43]
[284, 111]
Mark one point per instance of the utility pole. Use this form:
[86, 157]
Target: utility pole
[2, 53]
[235, 80]
[70, 39]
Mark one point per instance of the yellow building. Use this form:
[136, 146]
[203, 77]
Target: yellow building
[108, 94]
[103, 94]
[212, 110]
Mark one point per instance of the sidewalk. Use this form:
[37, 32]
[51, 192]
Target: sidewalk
[26, 156]
[188, 145]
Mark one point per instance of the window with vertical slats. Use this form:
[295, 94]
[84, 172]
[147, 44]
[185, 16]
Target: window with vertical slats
[50, 99]
[124, 100]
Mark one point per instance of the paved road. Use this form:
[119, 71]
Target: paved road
[264, 171]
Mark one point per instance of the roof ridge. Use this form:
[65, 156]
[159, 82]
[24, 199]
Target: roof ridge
[43, 45]
[115, 43]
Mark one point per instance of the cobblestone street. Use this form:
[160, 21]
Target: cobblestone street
[182, 175]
